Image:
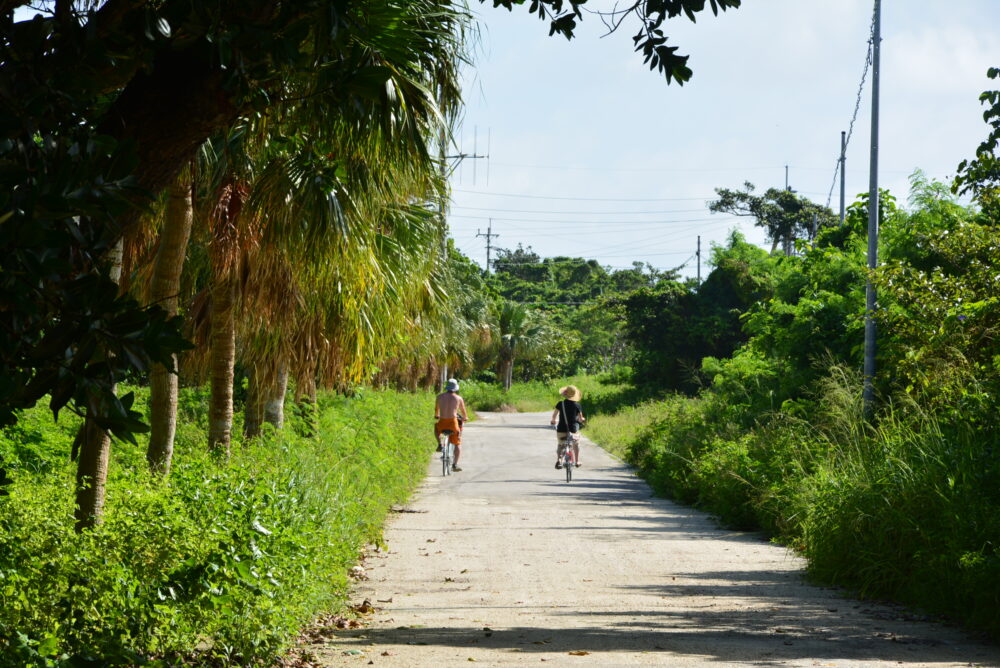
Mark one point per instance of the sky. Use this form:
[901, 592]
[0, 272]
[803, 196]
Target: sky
[591, 154]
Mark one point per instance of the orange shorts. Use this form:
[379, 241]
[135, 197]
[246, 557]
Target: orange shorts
[449, 424]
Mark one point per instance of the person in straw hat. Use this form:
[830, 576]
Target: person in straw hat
[568, 416]
[449, 413]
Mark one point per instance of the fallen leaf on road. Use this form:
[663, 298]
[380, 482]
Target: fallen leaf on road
[470, 659]
[364, 608]
[449, 579]
[384, 600]
[464, 570]
[579, 653]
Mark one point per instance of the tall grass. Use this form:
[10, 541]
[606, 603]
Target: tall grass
[223, 562]
[908, 509]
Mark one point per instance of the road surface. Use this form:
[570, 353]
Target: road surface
[506, 564]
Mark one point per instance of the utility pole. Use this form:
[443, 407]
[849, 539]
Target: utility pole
[843, 167]
[457, 158]
[446, 172]
[786, 178]
[489, 242]
[870, 296]
[697, 254]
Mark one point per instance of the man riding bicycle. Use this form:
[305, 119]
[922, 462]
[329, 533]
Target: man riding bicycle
[449, 411]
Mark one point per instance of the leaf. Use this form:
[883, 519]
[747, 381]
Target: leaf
[48, 646]
[579, 652]
[256, 526]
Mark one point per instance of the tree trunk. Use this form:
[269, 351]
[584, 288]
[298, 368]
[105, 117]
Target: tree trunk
[91, 473]
[253, 412]
[274, 403]
[166, 282]
[442, 377]
[223, 361]
[93, 444]
[506, 367]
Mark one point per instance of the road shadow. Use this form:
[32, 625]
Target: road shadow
[755, 639]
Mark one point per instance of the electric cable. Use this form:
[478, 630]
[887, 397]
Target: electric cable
[857, 107]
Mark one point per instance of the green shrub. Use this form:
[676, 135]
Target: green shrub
[907, 510]
[224, 561]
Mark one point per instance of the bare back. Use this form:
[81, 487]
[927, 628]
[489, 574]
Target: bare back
[450, 405]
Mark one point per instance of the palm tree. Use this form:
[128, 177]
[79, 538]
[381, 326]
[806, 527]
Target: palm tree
[310, 187]
[517, 334]
[165, 286]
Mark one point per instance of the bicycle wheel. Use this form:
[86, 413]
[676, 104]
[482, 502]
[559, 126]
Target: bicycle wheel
[568, 465]
[446, 458]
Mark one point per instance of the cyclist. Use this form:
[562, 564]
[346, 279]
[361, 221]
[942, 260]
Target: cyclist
[449, 412]
[568, 416]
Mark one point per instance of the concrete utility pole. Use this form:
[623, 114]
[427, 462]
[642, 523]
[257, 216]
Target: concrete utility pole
[870, 296]
[489, 242]
[697, 254]
[446, 172]
[843, 167]
[786, 178]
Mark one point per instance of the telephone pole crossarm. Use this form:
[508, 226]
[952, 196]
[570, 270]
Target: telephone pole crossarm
[489, 242]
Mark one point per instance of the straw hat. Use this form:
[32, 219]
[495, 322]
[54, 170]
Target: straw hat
[570, 392]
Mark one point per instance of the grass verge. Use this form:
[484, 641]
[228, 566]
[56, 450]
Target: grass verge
[223, 563]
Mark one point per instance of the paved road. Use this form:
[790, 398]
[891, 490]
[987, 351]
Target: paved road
[506, 564]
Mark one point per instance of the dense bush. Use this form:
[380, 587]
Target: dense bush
[908, 510]
[224, 561]
[903, 505]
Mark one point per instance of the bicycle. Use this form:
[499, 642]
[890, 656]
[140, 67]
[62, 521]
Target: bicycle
[447, 451]
[566, 456]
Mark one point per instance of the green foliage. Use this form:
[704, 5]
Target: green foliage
[904, 506]
[785, 215]
[649, 41]
[575, 294]
[908, 510]
[672, 327]
[222, 562]
[980, 177]
[599, 394]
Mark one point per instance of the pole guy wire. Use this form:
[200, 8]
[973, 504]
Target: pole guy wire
[857, 104]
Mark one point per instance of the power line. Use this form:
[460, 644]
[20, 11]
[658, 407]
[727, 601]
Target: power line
[586, 222]
[644, 244]
[587, 213]
[640, 169]
[586, 199]
[857, 106]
